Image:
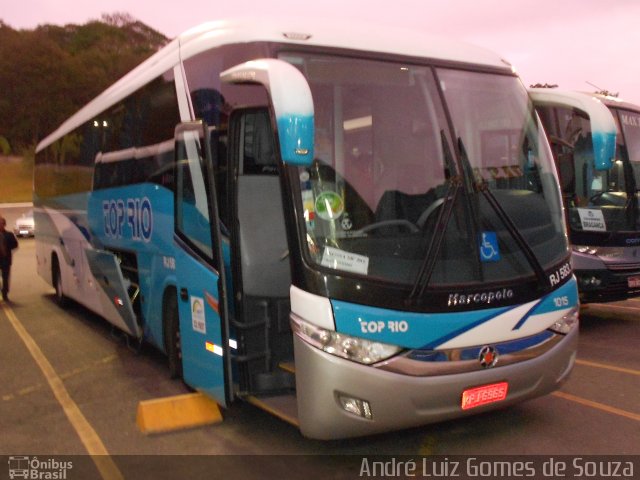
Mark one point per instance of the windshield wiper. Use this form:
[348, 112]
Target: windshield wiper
[483, 188]
[430, 258]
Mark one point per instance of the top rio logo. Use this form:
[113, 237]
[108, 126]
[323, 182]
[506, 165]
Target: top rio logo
[132, 218]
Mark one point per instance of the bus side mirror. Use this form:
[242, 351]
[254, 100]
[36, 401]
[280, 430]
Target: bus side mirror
[291, 100]
[603, 125]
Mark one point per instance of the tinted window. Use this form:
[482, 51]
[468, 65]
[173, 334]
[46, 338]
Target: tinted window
[137, 137]
[213, 101]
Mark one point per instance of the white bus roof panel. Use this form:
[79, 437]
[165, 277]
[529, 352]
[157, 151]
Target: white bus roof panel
[295, 31]
[352, 35]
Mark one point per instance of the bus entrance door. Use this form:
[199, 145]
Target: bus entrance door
[203, 329]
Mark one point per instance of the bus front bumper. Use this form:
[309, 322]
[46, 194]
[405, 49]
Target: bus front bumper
[398, 401]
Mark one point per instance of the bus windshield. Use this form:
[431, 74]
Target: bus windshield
[426, 174]
[628, 153]
[598, 200]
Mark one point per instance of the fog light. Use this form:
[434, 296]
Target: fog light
[585, 249]
[356, 406]
[589, 281]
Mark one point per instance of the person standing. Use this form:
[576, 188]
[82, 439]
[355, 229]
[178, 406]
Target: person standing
[8, 244]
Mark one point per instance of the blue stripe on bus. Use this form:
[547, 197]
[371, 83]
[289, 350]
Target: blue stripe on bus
[564, 297]
[429, 330]
[424, 329]
[296, 134]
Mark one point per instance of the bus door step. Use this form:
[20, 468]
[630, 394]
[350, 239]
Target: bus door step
[284, 407]
[273, 382]
[287, 367]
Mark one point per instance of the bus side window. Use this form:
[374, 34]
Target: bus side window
[218, 142]
[192, 198]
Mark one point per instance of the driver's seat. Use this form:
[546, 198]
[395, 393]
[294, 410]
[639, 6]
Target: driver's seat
[396, 205]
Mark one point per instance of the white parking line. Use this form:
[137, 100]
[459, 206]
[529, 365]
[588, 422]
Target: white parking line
[88, 436]
[614, 368]
[598, 406]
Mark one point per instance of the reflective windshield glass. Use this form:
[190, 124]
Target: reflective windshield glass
[630, 123]
[393, 195]
[628, 160]
[596, 200]
[504, 148]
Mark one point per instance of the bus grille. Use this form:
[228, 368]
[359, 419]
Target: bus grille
[623, 267]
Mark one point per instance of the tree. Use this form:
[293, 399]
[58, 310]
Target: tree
[5, 148]
[50, 72]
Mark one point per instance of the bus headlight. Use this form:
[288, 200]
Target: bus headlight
[567, 322]
[345, 346]
[585, 249]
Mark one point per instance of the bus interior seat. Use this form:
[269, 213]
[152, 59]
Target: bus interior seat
[263, 239]
[264, 268]
[399, 205]
[262, 234]
[259, 148]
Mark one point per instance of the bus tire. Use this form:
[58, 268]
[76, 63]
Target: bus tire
[171, 325]
[56, 278]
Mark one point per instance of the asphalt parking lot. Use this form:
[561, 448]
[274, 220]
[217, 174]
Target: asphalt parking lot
[65, 373]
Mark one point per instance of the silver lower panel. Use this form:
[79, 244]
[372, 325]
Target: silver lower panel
[401, 401]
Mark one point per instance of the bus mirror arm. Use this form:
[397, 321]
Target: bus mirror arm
[603, 125]
[291, 101]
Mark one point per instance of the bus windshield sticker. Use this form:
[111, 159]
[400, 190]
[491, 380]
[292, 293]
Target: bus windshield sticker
[309, 208]
[329, 205]
[489, 249]
[197, 315]
[592, 220]
[342, 260]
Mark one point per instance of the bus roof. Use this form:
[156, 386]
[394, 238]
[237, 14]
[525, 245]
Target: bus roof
[615, 102]
[337, 34]
[560, 94]
[300, 31]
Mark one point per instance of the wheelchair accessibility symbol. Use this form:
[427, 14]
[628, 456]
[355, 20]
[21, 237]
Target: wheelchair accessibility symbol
[489, 250]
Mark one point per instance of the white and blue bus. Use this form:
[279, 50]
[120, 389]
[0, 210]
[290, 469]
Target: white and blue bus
[595, 140]
[356, 229]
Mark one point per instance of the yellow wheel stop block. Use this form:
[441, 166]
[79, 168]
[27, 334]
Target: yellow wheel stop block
[178, 412]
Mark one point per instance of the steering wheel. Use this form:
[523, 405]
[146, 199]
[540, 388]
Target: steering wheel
[400, 222]
[424, 216]
[598, 195]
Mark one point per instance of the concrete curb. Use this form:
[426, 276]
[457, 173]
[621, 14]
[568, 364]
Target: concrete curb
[16, 205]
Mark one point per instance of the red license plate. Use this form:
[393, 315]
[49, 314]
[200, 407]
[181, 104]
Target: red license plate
[633, 282]
[478, 396]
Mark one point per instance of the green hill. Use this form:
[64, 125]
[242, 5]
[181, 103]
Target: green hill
[48, 73]
[15, 181]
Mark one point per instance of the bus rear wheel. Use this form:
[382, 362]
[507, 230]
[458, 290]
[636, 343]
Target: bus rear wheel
[60, 297]
[172, 335]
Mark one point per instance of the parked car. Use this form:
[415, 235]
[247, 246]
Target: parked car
[25, 225]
